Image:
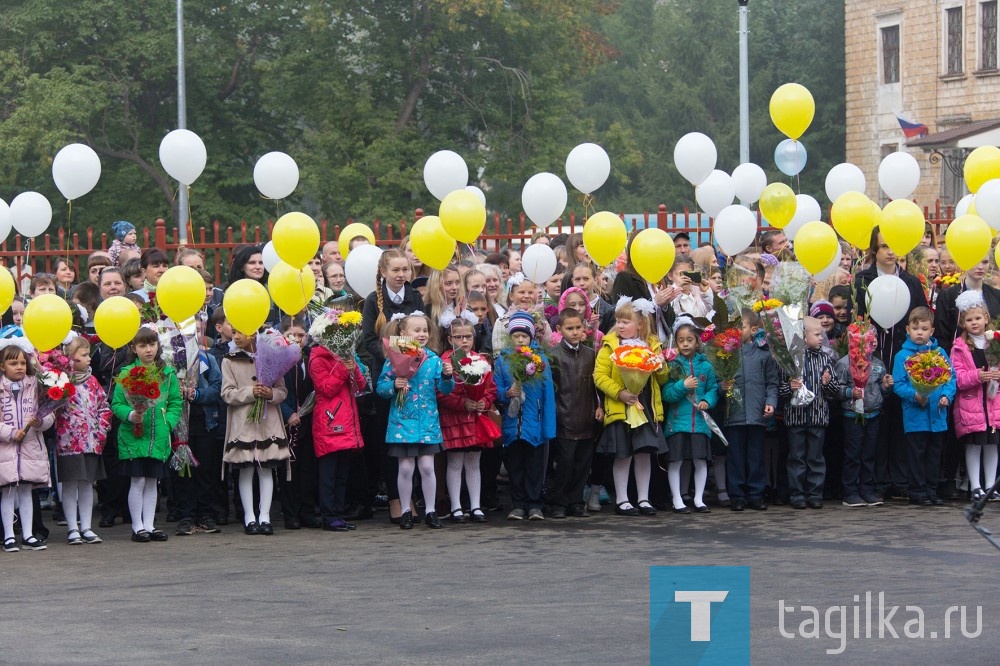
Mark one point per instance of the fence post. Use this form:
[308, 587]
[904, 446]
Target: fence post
[160, 230]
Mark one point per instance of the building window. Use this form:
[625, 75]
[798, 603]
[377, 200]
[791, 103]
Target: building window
[988, 28]
[953, 25]
[890, 53]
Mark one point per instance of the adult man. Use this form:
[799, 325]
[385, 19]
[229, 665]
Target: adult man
[682, 244]
[331, 252]
[773, 242]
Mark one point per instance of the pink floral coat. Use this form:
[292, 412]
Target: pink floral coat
[82, 425]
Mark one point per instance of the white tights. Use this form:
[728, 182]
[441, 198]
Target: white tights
[469, 461]
[265, 480]
[988, 452]
[142, 503]
[700, 477]
[14, 496]
[643, 471]
[404, 481]
[78, 496]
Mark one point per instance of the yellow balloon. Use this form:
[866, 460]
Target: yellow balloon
[296, 239]
[180, 293]
[778, 204]
[47, 321]
[854, 218]
[116, 321]
[463, 215]
[652, 254]
[246, 305]
[350, 232]
[431, 243]
[7, 289]
[291, 288]
[604, 236]
[815, 246]
[968, 240]
[901, 226]
[983, 164]
[792, 109]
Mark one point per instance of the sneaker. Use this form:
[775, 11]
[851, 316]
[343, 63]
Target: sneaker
[32, 543]
[604, 496]
[208, 526]
[184, 528]
[871, 499]
[516, 514]
[854, 500]
[10, 545]
[535, 514]
[558, 512]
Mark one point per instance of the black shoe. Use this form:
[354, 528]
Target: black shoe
[814, 503]
[578, 511]
[477, 515]
[684, 509]
[142, 536]
[184, 528]
[336, 525]
[207, 525]
[630, 511]
[293, 524]
[757, 505]
[158, 535]
[921, 501]
[646, 509]
[559, 512]
[265, 528]
[457, 516]
[433, 521]
[797, 504]
[107, 520]
[406, 521]
[936, 501]
[312, 522]
[702, 509]
[737, 504]
[251, 528]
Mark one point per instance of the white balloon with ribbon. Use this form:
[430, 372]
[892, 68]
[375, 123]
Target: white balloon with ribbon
[30, 214]
[76, 169]
[538, 263]
[962, 207]
[5, 220]
[587, 167]
[276, 175]
[361, 269]
[183, 155]
[888, 300]
[790, 157]
[544, 198]
[444, 172]
[987, 200]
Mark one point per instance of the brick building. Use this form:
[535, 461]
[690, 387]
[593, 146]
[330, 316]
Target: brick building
[930, 62]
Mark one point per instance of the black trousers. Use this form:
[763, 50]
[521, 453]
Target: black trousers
[860, 442]
[194, 492]
[334, 469]
[572, 459]
[923, 459]
[298, 496]
[112, 492]
[891, 455]
[526, 467]
[366, 464]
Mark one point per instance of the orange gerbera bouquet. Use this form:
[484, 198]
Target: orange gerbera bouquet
[636, 363]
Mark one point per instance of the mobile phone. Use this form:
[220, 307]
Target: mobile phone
[694, 275]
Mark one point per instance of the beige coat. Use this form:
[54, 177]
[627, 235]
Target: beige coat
[248, 443]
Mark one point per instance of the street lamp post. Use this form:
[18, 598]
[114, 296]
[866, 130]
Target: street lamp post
[744, 86]
[182, 193]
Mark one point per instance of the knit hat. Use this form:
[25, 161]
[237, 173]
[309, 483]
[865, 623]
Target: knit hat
[821, 308]
[521, 322]
[121, 229]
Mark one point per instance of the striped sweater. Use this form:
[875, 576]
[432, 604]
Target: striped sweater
[817, 412]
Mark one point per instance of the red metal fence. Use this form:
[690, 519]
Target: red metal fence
[218, 242]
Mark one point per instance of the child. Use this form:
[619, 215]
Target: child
[632, 326]
[144, 456]
[464, 440]
[479, 305]
[125, 238]
[336, 427]
[82, 429]
[414, 432]
[755, 398]
[253, 448]
[299, 493]
[578, 414]
[523, 298]
[602, 313]
[24, 460]
[688, 434]
[529, 425]
[840, 299]
[553, 287]
[976, 413]
[223, 334]
[575, 299]
[925, 417]
[861, 431]
[823, 312]
[14, 329]
[695, 300]
[806, 424]
[444, 295]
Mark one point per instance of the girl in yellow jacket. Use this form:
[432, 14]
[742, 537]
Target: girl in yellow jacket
[625, 440]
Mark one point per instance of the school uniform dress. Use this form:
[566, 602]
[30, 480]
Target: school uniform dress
[251, 444]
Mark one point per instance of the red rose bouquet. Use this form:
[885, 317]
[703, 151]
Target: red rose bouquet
[142, 389]
[54, 378]
[472, 372]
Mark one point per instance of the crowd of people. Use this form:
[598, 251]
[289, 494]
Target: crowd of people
[348, 435]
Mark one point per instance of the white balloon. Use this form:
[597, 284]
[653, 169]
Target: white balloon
[5, 220]
[30, 213]
[183, 156]
[749, 181]
[988, 202]
[715, 192]
[361, 269]
[899, 175]
[544, 198]
[76, 170]
[276, 175]
[538, 263]
[807, 209]
[962, 207]
[888, 300]
[735, 229]
[444, 172]
[588, 167]
[834, 265]
[478, 192]
[270, 256]
[695, 157]
[844, 177]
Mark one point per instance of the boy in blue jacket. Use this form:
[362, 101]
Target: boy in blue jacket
[925, 417]
[529, 425]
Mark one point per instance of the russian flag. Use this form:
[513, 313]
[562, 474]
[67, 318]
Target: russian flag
[910, 129]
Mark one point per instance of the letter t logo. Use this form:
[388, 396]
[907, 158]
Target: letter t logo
[701, 610]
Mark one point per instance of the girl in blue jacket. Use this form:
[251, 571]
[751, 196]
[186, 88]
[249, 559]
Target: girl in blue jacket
[691, 391]
[527, 427]
[414, 433]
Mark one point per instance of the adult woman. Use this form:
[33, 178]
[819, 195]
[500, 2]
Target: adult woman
[248, 263]
[513, 260]
[496, 295]
[576, 251]
[336, 279]
[154, 264]
[65, 275]
[112, 283]
[188, 256]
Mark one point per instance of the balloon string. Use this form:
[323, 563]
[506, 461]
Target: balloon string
[69, 227]
[190, 222]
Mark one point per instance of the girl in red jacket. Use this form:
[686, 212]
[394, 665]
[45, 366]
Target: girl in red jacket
[464, 425]
[337, 378]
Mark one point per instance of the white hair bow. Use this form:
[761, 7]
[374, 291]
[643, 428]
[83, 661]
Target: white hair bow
[622, 300]
[644, 305]
[682, 320]
[397, 316]
[514, 280]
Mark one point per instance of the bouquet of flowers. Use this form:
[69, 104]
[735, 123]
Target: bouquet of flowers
[723, 352]
[471, 370]
[860, 346]
[742, 287]
[142, 389]
[636, 363]
[791, 283]
[338, 331]
[274, 357]
[54, 376]
[784, 328]
[179, 349]
[992, 352]
[406, 356]
[927, 371]
[525, 366]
